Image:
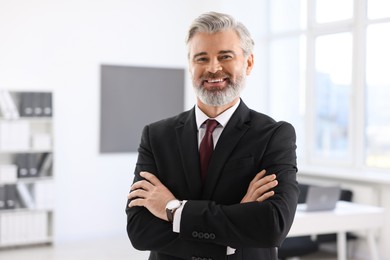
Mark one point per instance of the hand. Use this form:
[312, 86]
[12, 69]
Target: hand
[260, 188]
[151, 194]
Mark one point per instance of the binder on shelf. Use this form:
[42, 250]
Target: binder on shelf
[45, 165]
[10, 196]
[23, 228]
[21, 135]
[8, 106]
[30, 164]
[24, 194]
[43, 194]
[22, 163]
[2, 196]
[46, 99]
[33, 161]
[37, 105]
[26, 104]
[10, 102]
[5, 110]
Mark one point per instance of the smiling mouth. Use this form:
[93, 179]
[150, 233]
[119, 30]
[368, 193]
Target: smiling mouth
[214, 81]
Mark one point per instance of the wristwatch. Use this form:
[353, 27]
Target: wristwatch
[171, 207]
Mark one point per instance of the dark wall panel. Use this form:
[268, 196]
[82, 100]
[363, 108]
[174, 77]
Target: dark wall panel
[132, 97]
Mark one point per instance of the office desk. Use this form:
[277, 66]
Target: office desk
[346, 217]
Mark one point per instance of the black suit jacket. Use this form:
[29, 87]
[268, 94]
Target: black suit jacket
[213, 217]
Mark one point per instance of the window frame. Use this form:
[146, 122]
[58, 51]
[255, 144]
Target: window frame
[357, 26]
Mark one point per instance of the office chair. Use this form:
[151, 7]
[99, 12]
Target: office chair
[302, 245]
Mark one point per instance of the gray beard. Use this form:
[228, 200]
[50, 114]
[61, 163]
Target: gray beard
[217, 97]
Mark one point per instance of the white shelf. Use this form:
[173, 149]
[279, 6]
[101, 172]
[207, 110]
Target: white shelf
[26, 151]
[24, 210]
[35, 179]
[48, 240]
[30, 221]
[30, 119]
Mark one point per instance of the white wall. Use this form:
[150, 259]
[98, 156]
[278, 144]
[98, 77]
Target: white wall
[59, 45]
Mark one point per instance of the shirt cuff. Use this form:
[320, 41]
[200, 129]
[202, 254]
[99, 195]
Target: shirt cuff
[177, 218]
[230, 251]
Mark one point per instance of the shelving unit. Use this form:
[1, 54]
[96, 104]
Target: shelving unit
[26, 168]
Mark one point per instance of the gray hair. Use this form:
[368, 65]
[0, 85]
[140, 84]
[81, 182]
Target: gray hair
[213, 22]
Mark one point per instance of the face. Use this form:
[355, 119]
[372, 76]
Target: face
[218, 67]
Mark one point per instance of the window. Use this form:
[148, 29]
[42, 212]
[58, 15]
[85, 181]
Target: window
[287, 89]
[378, 95]
[287, 64]
[328, 75]
[378, 9]
[332, 88]
[333, 10]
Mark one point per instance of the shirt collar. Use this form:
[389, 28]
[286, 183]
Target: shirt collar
[222, 119]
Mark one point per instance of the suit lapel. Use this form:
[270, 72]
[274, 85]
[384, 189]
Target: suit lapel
[237, 126]
[187, 138]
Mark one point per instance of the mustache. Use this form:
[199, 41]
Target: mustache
[218, 74]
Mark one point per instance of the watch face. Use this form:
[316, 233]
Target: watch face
[173, 204]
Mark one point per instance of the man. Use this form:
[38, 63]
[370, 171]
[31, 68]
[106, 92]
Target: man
[238, 204]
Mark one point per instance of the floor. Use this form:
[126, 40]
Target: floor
[117, 248]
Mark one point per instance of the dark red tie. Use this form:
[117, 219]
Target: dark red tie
[207, 147]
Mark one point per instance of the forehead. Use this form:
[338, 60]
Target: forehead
[213, 43]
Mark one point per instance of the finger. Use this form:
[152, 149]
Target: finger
[150, 177]
[265, 196]
[259, 176]
[145, 185]
[137, 202]
[270, 185]
[265, 188]
[256, 182]
[137, 194]
[263, 181]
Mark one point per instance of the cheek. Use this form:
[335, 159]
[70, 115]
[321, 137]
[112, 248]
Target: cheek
[236, 71]
[196, 73]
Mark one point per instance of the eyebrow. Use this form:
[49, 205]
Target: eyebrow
[199, 54]
[227, 51]
[221, 52]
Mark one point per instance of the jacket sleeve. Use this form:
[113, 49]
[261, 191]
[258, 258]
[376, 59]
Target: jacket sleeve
[147, 232]
[253, 224]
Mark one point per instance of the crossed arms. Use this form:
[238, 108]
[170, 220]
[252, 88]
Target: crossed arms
[261, 219]
[154, 196]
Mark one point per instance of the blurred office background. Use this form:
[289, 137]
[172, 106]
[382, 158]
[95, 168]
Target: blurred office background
[322, 65]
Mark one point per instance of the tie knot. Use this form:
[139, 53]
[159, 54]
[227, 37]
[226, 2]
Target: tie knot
[211, 124]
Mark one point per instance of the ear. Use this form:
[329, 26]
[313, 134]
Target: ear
[249, 64]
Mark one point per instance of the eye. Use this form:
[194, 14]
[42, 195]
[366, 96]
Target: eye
[201, 59]
[225, 57]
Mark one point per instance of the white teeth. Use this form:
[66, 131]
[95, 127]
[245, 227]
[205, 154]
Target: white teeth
[215, 80]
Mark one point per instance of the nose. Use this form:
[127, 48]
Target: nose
[214, 66]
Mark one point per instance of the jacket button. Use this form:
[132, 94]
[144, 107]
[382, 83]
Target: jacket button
[206, 236]
[195, 234]
[212, 236]
[200, 235]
